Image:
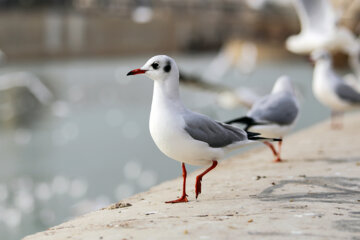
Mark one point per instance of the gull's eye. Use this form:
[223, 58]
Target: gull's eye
[155, 65]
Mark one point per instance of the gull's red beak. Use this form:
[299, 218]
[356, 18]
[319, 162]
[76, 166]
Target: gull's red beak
[136, 71]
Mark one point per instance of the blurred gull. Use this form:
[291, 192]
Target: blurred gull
[234, 54]
[238, 97]
[330, 89]
[184, 135]
[29, 81]
[227, 97]
[319, 30]
[273, 115]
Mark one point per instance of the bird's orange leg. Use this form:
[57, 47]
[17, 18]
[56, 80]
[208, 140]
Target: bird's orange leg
[199, 178]
[276, 154]
[272, 148]
[183, 198]
[278, 158]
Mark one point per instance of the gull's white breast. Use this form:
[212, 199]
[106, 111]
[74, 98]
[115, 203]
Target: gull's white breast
[167, 130]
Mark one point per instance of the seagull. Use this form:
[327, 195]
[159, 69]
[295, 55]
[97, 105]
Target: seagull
[330, 89]
[273, 115]
[234, 54]
[28, 80]
[181, 134]
[320, 30]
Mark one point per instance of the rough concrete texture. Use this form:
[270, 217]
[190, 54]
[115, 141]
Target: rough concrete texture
[313, 194]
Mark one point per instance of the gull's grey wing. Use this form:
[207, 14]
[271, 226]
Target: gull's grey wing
[347, 93]
[280, 108]
[216, 134]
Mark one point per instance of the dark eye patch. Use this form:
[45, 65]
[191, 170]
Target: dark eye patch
[167, 67]
[155, 65]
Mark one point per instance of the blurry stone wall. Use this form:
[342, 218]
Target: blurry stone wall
[90, 28]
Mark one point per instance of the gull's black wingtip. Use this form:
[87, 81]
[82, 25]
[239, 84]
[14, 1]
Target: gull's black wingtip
[256, 136]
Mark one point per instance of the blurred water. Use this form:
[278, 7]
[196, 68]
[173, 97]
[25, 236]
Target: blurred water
[92, 146]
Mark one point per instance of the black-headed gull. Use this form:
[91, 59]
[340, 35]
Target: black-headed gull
[273, 115]
[184, 135]
[330, 89]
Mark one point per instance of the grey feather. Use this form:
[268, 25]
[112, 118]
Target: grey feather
[216, 134]
[347, 93]
[280, 108]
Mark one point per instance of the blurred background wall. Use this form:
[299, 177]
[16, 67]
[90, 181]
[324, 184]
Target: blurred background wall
[39, 28]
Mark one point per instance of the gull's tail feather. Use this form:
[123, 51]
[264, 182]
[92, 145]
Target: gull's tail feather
[257, 137]
[248, 121]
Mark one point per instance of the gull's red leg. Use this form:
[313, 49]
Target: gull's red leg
[272, 148]
[336, 120]
[278, 158]
[183, 198]
[276, 154]
[199, 178]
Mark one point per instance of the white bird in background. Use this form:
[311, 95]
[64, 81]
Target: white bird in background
[330, 89]
[319, 30]
[27, 80]
[273, 115]
[237, 97]
[184, 135]
[30, 82]
[234, 54]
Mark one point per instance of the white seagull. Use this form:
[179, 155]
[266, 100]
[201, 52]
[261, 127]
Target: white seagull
[28, 80]
[330, 89]
[319, 30]
[184, 135]
[273, 115]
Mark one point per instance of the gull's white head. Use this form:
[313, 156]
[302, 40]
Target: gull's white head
[158, 68]
[283, 84]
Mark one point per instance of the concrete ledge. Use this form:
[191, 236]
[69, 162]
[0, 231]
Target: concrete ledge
[314, 194]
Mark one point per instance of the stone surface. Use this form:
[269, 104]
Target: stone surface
[313, 194]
